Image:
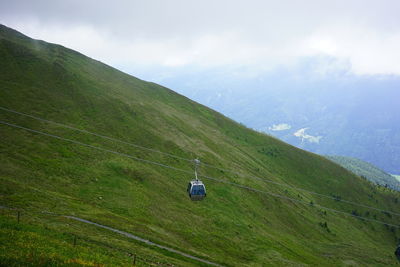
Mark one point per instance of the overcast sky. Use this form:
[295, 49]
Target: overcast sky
[363, 35]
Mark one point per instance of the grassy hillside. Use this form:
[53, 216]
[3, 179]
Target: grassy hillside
[367, 170]
[233, 226]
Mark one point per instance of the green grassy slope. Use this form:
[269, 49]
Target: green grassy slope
[367, 170]
[232, 226]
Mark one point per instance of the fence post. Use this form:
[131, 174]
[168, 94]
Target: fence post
[74, 240]
[134, 259]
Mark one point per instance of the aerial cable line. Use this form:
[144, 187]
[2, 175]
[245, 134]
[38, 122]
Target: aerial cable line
[296, 200]
[191, 160]
[189, 172]
[109, 138]
[94, 147]
[95, 134]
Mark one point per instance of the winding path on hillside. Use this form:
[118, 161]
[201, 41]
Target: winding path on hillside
[148, 242]
[131, 236]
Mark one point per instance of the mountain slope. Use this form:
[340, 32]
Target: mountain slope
[233, 226]
[367, 170]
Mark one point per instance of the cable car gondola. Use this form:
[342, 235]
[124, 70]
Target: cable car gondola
[397, 252]
[196, 189]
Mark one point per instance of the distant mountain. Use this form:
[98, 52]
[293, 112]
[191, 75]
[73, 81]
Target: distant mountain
[336, 114]
[367, 170]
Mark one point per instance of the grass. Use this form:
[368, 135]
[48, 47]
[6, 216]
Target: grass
[232, 226]
[40, 239]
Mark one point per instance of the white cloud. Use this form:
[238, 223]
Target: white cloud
[302, 134]
[280, 127]
[367, 50]
[365, 35]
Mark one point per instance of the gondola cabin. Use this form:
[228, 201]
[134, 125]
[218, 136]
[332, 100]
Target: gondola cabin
[196, 190]
[397, 252]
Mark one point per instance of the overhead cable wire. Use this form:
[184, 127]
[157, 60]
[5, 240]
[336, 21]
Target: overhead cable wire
[296, 200]
[205, 164]
[189, 172]
[95, 134]
[91, 146]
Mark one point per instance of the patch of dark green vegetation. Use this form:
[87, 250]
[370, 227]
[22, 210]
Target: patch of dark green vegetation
[367, 171]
